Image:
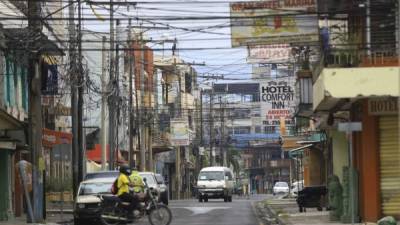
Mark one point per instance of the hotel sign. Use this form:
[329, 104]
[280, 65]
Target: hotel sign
[383, 106]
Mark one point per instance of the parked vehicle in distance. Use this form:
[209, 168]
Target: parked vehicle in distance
[102, 174]
[215, 182]
[281, 188]
[296, 187]
[163, 189]
[152, 184]
[87, 202]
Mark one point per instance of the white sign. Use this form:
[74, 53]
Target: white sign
[273, 22]
[179, 133]
[351, 126]
[269, 53]
[277, 98]
[201, 150]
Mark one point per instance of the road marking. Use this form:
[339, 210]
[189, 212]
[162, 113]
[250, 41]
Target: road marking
[200, 210]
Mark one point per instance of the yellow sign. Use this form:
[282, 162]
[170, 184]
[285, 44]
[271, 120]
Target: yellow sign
[273, 22]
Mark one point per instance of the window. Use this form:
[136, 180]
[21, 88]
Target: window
[257, 129]
[229, 175]
[270, 129]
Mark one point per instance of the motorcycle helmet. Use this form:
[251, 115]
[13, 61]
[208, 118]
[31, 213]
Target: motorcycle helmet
[125, 170]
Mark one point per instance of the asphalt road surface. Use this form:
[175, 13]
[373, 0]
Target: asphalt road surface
[213, 212]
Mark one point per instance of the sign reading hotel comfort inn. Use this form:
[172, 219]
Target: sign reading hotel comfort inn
[277, 98]
[273, 22]
[383, 106]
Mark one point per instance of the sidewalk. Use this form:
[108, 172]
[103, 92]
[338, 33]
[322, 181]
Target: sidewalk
[286, 212]
[52, 219]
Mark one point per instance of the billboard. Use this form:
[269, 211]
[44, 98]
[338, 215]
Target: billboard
[269, 53]
[179, 133]
[278, 101]
[273, 22]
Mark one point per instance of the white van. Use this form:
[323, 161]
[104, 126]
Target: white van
[215, 182]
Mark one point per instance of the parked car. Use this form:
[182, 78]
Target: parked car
[281, 188]
[215, 182]
[163, 189]
[152, 183]
[102, 174]
[87, 203]
[296, 187]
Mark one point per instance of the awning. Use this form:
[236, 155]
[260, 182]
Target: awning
[298, 151]
[335, 84]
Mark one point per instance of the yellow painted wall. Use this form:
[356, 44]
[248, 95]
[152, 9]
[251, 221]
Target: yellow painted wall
[340, 154]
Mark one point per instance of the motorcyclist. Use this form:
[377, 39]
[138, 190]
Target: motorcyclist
[123, 184]
[137, 181]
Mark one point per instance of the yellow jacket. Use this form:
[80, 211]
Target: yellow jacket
[137, 181]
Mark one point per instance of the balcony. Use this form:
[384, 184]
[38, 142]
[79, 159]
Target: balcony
[344, 74]
[281, 163]
[351, 58]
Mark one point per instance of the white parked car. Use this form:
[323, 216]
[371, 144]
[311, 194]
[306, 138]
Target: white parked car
[281, 188]
[296, 187]
[87, 203]
[215, 182]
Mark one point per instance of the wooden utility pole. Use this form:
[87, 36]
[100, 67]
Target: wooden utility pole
[111, 98]
[132, 156]
[142, 128]
[103, 107]
[35, 113]
[211, 118]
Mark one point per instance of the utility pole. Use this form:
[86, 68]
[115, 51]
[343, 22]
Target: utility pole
[111, 98]
[201, 128]
[103, 107]
[132, 156]
[117, 95]
[73, 70]
[211, 118]
[35, 114]
[222, 135]
[81, 134]
[142, 127]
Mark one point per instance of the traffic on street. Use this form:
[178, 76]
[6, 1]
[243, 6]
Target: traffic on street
[199, 112]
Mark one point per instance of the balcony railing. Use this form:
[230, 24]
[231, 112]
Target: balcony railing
[345, 58]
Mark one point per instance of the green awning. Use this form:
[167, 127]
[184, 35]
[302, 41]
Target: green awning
[298, 151]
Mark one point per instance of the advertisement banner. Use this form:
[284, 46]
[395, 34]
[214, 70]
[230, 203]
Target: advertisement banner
[273, 22]
[269, 53]
[179, 133]
[278, 101]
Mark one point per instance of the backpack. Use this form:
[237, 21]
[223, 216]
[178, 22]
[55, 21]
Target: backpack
[114, 187]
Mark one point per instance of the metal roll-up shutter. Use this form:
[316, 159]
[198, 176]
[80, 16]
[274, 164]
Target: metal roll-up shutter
[389, 165]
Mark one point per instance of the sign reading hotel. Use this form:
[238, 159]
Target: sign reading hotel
[269, 53]
[383, 106]
[277, 99]
[273, 22]
[179, 133]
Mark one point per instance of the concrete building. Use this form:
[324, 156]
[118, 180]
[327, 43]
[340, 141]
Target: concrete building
[237, 123]
[357, 81]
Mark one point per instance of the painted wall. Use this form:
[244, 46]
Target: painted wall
[340, 154]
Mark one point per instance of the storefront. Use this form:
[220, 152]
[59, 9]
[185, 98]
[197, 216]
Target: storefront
[377, 158]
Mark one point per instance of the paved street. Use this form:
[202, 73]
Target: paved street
[215, 212]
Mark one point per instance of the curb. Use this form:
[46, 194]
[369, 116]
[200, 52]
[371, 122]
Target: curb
[255, 212]
[272, 213]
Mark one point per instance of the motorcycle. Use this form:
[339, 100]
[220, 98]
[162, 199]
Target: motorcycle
[114, 211]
